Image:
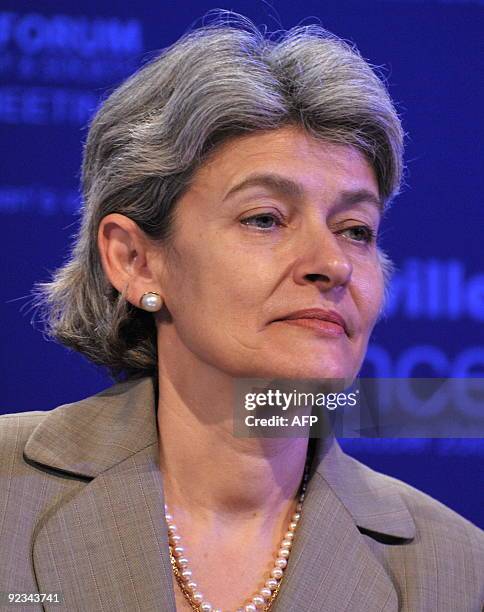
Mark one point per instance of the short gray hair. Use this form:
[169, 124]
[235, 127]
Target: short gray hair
[149, 136]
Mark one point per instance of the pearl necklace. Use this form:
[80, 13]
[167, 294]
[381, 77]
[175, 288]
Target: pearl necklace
[264, 598]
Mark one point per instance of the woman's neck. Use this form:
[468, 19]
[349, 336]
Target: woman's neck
[211, 475]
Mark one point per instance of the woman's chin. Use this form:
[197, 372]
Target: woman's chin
[304, 369]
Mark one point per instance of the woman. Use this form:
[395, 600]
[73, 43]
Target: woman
[232, 185]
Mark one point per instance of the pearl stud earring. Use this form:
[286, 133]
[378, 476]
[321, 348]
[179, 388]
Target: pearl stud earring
[151, 301]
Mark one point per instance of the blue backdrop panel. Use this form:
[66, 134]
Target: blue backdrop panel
[58, 58]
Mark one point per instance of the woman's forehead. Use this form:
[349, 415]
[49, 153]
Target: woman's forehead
[285, 160]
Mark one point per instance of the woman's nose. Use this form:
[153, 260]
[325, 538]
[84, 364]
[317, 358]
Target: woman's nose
[322, 260]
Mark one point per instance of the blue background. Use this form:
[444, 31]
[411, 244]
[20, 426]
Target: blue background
[59, 58]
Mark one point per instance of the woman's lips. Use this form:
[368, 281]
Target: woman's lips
[319, 326]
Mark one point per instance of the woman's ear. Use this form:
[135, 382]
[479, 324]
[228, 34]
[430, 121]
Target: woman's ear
[124, 250]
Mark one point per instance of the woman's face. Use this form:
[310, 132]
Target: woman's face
[272, 224]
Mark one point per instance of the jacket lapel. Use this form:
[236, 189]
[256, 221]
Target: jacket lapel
[331, 567]
[105, 546]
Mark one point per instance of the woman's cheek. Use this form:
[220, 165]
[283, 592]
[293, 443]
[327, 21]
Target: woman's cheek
[370, 294]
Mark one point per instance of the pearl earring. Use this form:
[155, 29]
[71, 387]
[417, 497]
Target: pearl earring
[151, 301]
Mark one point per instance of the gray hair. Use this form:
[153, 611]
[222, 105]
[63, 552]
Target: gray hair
[150, 135]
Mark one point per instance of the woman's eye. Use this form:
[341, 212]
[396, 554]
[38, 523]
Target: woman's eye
[262, 221]
[360, 233]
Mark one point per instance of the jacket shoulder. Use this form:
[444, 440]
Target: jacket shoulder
[15, 430]
[442, 564]
[443, 537]
[33, 415]
[423, 507]
[426, 510]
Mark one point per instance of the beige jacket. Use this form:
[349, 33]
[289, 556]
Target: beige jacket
[81, 513]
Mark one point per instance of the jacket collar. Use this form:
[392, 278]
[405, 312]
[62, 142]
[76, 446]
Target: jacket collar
[90, 436]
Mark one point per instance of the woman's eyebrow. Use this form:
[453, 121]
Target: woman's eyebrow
[275, 182]
[284, 186]
[359, 196]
